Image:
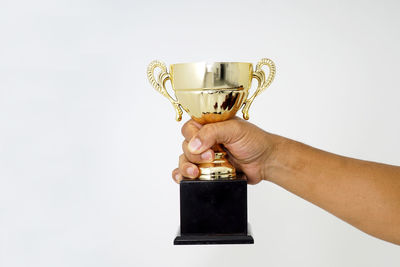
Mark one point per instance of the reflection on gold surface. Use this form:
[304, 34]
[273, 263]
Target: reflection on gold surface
[212, 92]
[220, 168]
[207, 106]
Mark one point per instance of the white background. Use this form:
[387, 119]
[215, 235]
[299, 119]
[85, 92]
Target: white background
[87, 145]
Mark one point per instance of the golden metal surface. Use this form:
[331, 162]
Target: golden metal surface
[262, 82]
[220, 168]
[212, 92]
[159, 84]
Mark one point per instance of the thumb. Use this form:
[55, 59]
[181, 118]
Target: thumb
[225, 132]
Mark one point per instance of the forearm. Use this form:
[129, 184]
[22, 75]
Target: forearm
[365, 194]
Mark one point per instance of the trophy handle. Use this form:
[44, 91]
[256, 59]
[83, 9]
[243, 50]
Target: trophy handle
[159, 84]
[263, 83]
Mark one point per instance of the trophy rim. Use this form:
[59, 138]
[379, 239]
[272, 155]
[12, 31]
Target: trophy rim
[211, 63]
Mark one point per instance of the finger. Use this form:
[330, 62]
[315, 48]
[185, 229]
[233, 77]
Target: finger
[176, 176]
[188, 169]
[225, 132]
[190, 128]
[206, 156]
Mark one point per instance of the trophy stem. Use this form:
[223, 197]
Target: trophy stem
[219, 169]
[217, 148]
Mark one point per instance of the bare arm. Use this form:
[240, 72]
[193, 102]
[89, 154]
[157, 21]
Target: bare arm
[364, 194]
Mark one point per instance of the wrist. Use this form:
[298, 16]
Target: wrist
[277, 156]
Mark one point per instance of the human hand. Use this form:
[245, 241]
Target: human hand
[362, 193]
[248, 148]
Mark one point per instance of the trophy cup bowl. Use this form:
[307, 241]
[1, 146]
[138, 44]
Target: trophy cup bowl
[212, 92]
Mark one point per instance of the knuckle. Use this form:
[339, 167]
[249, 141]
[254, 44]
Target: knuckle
[184, 146]
[190, 157]
[189, 130]
[184, 127]
[233, 123]
[182, 159]
[181, 169]
[209, 129]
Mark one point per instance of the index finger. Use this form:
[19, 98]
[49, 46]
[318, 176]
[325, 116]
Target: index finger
[190, 128]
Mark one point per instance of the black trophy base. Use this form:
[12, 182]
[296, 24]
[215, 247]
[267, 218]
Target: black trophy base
[213, 239]
[213, 212]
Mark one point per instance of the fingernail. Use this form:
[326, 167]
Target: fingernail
[194, 144]
[177, 177]
[206, 155]
[191, 171]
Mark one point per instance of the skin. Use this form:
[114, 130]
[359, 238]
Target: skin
[364, 194]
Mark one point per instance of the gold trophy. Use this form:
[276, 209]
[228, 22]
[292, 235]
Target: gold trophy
[211, 92]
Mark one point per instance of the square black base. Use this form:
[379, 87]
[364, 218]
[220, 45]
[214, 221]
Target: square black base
[213, 212]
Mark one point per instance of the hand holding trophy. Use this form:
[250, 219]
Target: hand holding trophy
[213, 208]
